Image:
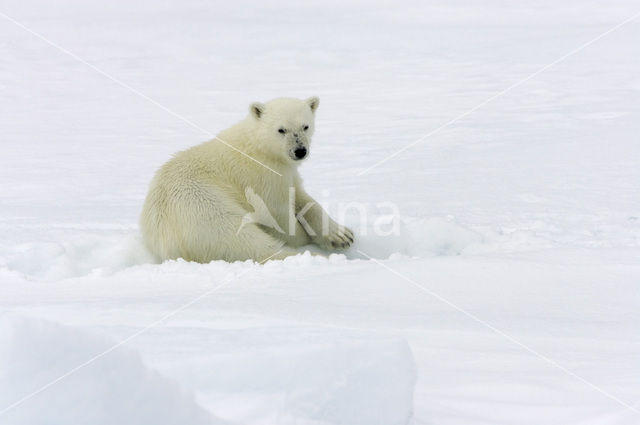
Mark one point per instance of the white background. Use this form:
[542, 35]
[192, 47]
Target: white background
[525, 214]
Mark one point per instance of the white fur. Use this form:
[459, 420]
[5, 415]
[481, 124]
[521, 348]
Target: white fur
[197, 200]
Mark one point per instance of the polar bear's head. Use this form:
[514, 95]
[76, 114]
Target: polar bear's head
[284, 126]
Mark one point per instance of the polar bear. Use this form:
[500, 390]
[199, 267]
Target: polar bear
[239, 196]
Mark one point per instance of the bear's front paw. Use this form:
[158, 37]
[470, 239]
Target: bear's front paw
[339, 238]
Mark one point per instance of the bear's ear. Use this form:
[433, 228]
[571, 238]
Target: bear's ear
[313, 103]
[257, 109]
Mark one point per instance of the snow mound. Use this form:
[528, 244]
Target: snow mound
[77, 254]
[115, 389]
[83, 252]
[419, 237]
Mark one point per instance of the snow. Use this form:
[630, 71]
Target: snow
[508, 295]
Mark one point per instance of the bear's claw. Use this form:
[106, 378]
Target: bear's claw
[339, 238]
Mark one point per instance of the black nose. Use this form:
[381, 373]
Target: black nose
[300, 153]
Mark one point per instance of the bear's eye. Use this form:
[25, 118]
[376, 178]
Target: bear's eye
[282, 131]
[305, 128]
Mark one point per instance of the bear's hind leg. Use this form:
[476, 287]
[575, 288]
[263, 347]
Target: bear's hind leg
[206, 225]
[254, 243]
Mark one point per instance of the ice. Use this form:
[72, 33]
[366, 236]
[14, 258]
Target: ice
[316, 375]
